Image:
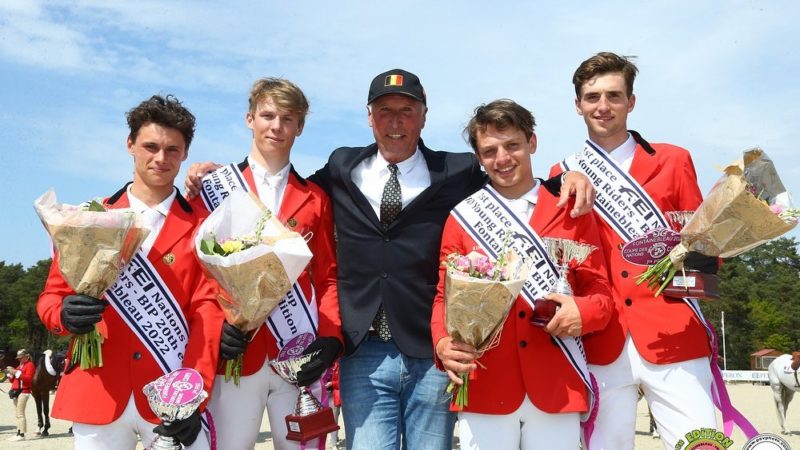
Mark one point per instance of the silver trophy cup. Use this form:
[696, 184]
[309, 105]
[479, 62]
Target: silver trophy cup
[174, 396]
[562, 252]
[310, 418]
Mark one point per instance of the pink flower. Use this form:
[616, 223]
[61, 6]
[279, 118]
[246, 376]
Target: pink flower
[482, 265]
[462, 263]
[474, 257]
[776, 209]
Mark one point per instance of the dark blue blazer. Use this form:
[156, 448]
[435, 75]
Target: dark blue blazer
[395, 266]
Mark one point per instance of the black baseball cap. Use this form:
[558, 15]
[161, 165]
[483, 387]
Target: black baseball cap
[396, 81]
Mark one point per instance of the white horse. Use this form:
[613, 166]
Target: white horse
[784, 383]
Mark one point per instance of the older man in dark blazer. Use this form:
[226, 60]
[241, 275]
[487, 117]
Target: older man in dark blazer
[391, 200]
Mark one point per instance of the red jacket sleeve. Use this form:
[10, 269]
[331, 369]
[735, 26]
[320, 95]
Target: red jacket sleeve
[324, 273]
[49, 304]
[28, 370]
[593, 291]
[205, 326]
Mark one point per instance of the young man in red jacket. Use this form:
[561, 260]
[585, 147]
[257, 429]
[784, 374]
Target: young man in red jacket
[310, 311]
[658, 343]
[21, 380]
[163, 284]
[528, 392]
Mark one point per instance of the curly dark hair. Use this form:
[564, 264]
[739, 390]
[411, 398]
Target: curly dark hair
[166, 111]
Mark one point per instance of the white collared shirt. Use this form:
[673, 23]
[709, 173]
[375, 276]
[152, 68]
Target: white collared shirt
[153, 217]
[523, 207]
[270, 187]
[371, 175]
[622, 155]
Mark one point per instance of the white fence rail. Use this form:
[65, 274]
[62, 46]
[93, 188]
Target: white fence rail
[745, 375]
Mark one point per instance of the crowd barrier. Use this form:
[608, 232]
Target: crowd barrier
[753, 376]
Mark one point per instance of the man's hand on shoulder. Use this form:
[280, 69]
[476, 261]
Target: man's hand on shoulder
[577, 184]
[194, 177]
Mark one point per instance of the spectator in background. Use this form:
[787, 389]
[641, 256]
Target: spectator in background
[21, 381]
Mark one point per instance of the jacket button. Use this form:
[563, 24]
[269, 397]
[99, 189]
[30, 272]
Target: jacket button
[384, 275]
[628, 302]
[620, 246]
[624, 274]
[523, 344]
[137, 355]
[522, 314]
[386, 239]
[57, 330]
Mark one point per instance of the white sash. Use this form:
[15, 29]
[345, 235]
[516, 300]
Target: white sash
[619, 199]
[294, 314]
[143, 300]
[217, 185]
[147, 306]
[485, 217]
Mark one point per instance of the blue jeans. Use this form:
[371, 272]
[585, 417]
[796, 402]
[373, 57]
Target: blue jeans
[389, 399]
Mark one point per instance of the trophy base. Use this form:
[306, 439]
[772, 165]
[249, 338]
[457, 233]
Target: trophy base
[543, 312]
[305, 428]
[694, 284]
[164, 443]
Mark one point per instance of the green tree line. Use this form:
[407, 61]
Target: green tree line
[20, 326]
[760, 292]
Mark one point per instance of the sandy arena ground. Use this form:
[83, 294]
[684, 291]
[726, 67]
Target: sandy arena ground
[755, 402]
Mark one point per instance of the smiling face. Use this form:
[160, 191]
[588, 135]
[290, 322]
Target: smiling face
[397, 121]
[274, 130]
[157, 154]
[605, 105]
[505, 154]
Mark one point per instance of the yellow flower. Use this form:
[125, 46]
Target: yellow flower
[232, 246]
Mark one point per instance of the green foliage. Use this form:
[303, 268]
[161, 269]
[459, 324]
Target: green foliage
[20, 326]
[760, 295]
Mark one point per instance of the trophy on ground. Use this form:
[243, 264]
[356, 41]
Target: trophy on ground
[174, 396]
[562, 252]
[310, 419]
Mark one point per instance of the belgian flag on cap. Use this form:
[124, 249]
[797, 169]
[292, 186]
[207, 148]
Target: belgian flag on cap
[394, 80]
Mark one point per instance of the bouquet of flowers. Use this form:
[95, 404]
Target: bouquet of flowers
[478, 295]
[93, 245]
[747, 207]
[253, 257]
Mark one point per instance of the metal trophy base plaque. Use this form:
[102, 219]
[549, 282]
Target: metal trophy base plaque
[310, 426]
[693, 284]
[543, 312]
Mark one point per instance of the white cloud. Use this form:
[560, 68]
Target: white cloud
[715, 77]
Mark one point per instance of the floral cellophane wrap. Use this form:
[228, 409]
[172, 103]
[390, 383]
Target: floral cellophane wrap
[92, 247]
[256, 278]
[731, 220]
[475, 308]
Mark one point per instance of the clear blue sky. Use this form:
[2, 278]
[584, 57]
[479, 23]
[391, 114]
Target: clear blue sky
[716, 77]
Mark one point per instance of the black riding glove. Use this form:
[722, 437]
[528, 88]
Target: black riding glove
[185, 431]
[232, 342]
[310, 372]
[701, 262]
[79, 313]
